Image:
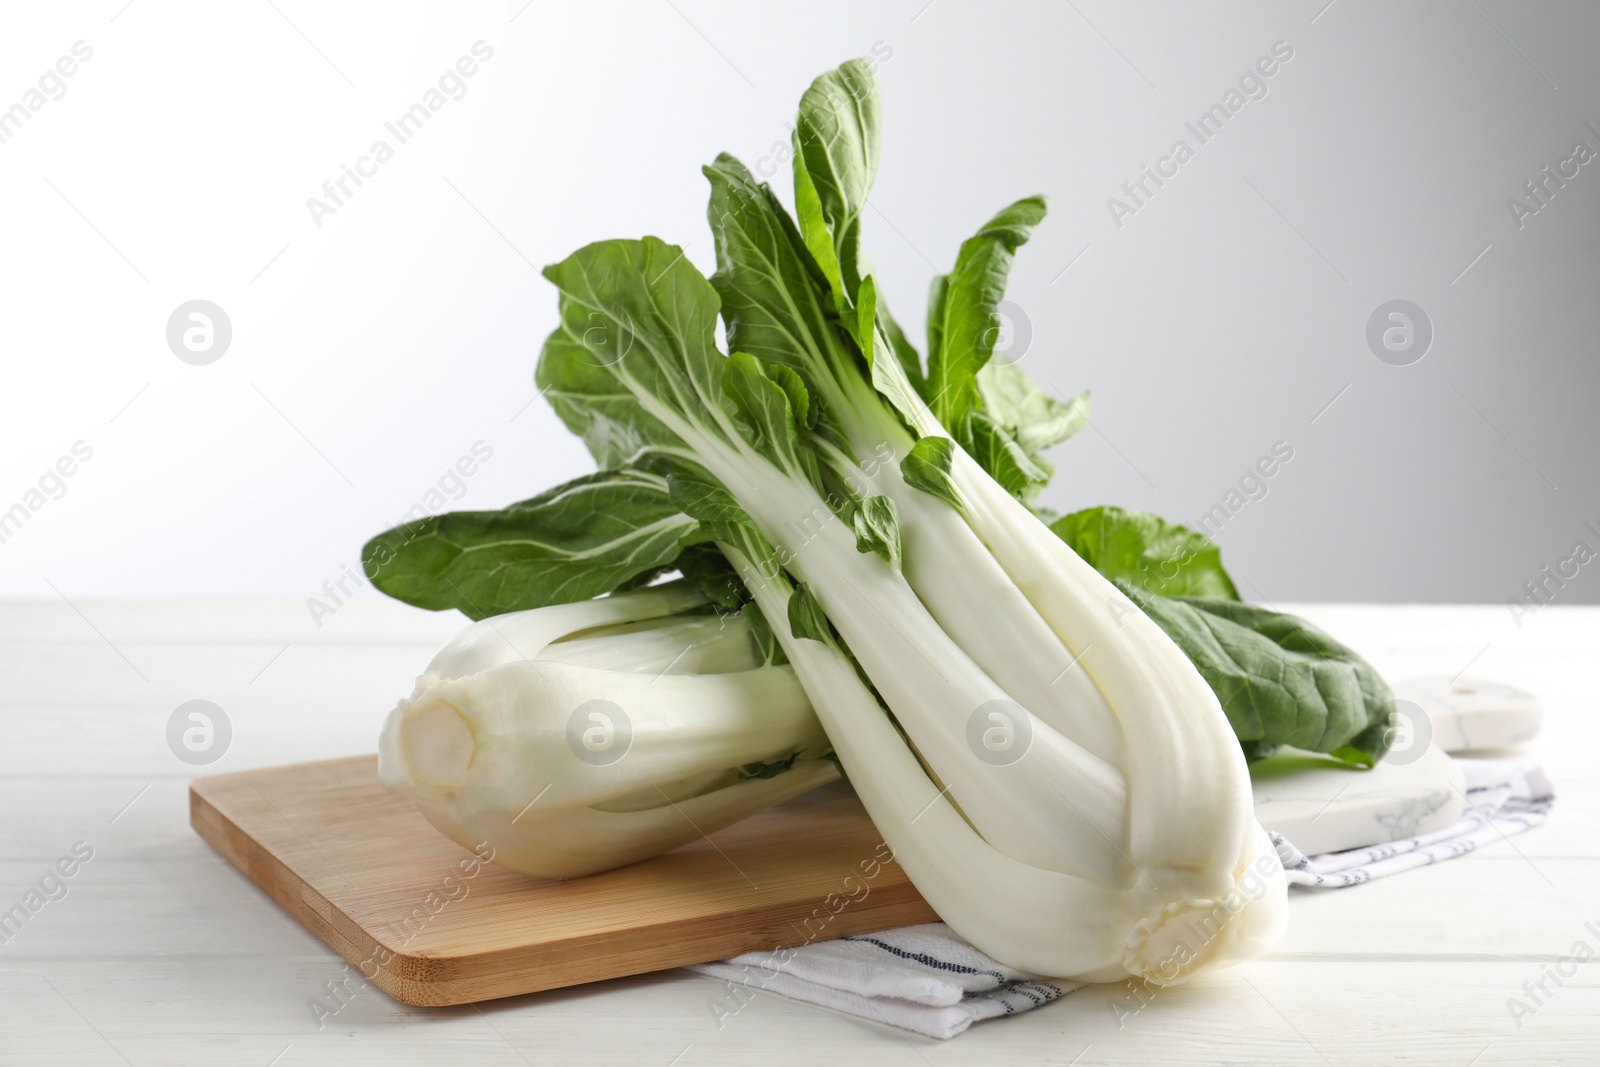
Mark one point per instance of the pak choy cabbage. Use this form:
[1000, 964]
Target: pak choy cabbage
[1049, 723]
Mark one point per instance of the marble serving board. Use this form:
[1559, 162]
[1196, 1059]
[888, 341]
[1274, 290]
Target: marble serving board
[1321, 806]
[1468, 714]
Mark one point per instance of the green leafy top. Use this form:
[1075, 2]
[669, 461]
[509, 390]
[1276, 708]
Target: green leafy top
[597, 407]
[1280, 680]
[836, 162]
[1148, 551]
[576, 541]
[771, 290]
[1034, 418]
[820, 375]
[648, 318]
[963, 312]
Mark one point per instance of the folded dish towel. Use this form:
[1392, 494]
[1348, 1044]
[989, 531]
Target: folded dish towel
[928, 980]
[919, 978]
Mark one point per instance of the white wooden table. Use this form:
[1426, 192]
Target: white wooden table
[161, 953]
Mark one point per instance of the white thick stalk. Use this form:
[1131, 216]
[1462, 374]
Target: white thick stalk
[963, 587]
[1199, 885]
[1180, 753]
[509, 726]
[683, 644]
[975, 601]
[581, 841]
[1058, 806]
[1167, 710]
[1034, 919]
[492, 744]
[523, 635]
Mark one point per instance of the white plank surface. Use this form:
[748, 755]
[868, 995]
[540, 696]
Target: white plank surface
[160, 953]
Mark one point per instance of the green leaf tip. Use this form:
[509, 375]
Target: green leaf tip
[927, 467]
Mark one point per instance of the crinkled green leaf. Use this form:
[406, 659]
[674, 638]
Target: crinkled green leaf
[710, 571]
[813, 229]
[877, 528]
[597, 407]
[966, 303]
[835, 163]
[836, 160]
[704, 500]
[775, 302]
[648, 318]
[884, 362]
[807, 619]
[576, 541]
[1147, 550]
[927, 467]
[864, 324]
[998, 453]
[766, 642]
[1280, 680]
[761, 408]
[1034, 418]
[805, 412]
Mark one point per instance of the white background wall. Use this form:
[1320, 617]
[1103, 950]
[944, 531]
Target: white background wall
[372, 352]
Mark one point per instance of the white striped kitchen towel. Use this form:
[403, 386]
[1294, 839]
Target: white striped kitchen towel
[919, 978]
[927, 980]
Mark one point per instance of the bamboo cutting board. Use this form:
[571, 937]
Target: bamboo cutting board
[430, 924]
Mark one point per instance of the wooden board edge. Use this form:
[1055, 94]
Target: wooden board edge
[449, 980]
[292, 893]
[429, 980]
